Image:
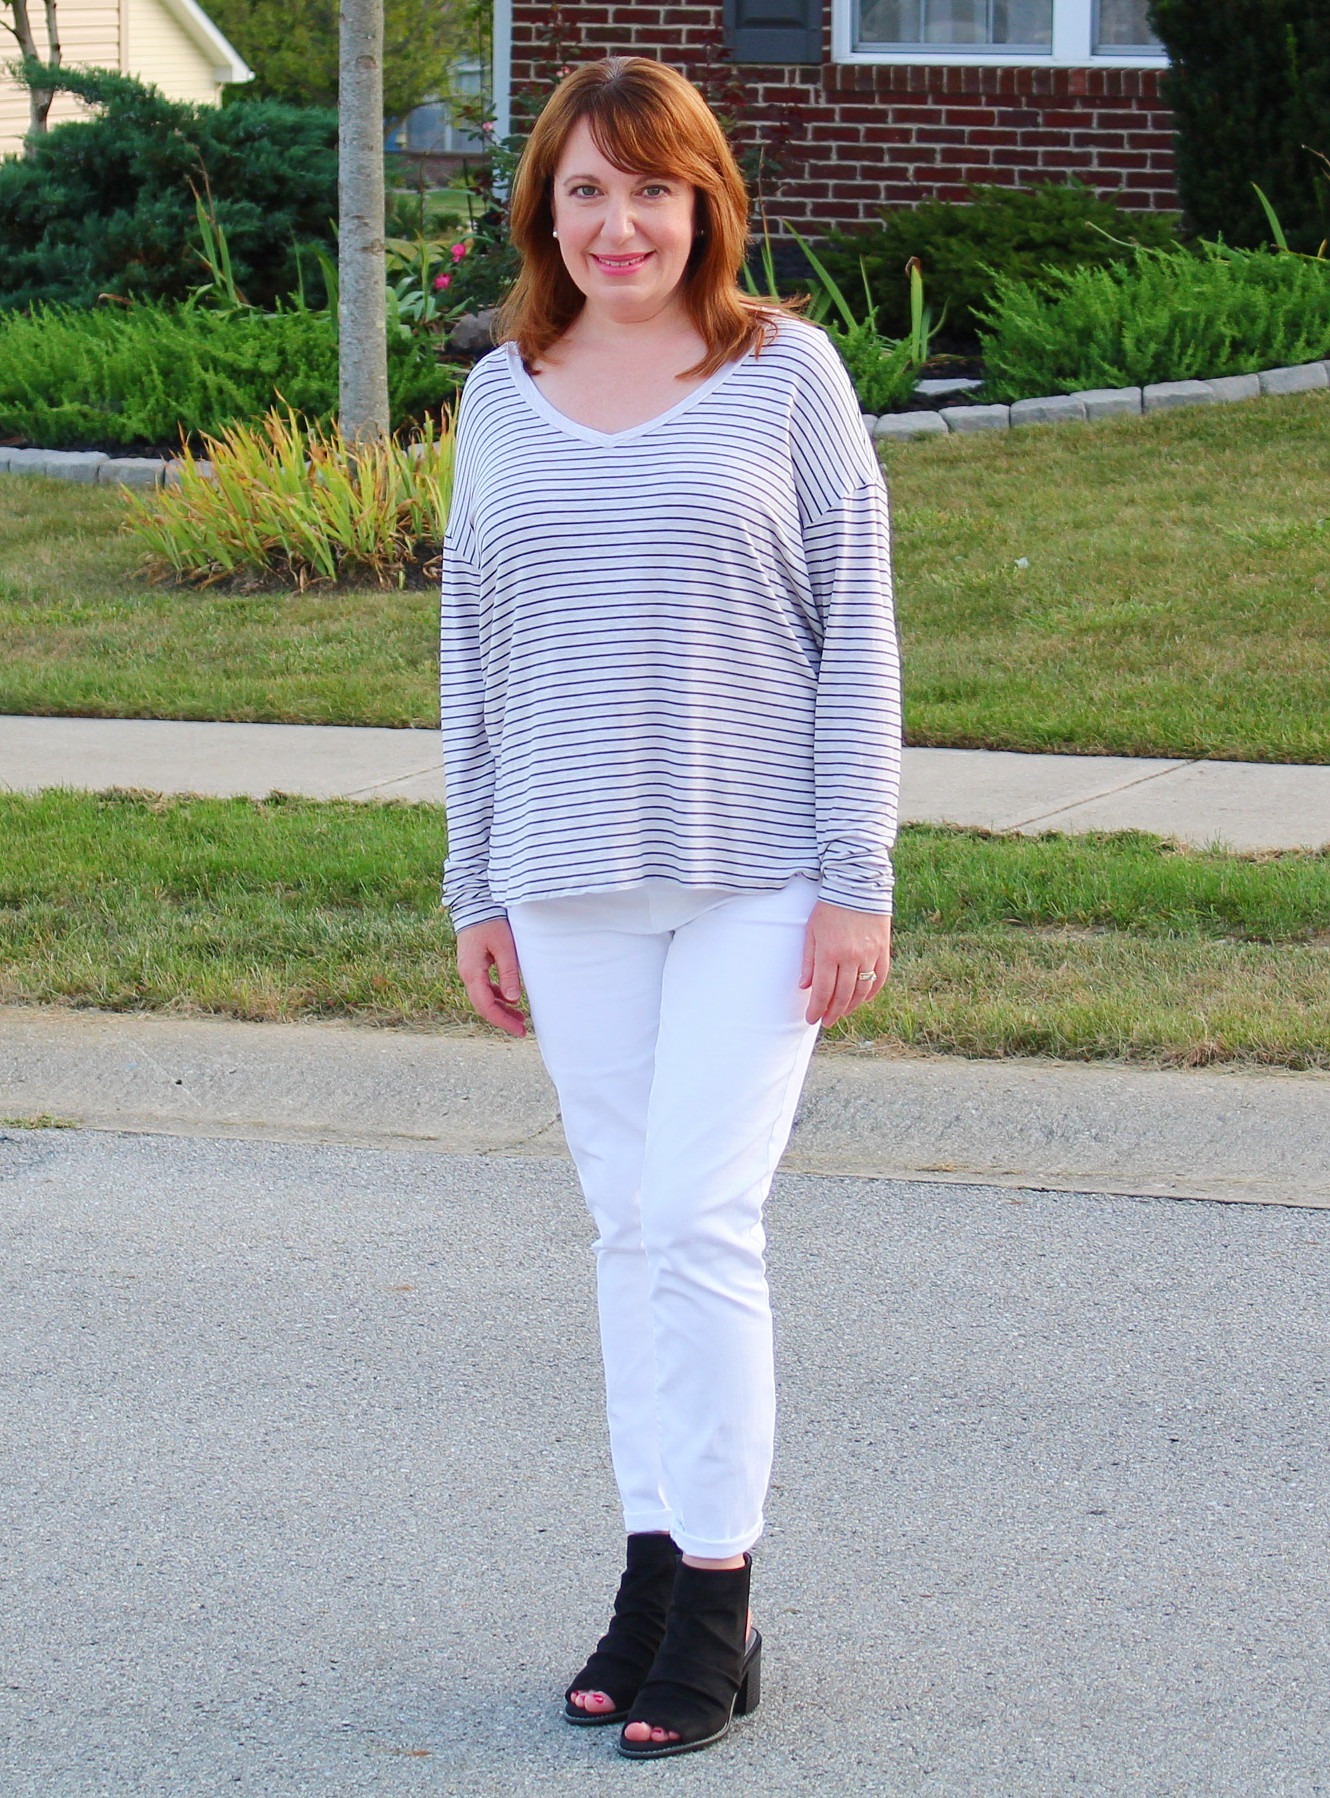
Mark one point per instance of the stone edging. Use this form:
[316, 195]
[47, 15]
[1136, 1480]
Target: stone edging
[1094, 403]
[95, 469]
[91, 467]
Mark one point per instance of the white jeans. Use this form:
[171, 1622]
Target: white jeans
[672, 1024]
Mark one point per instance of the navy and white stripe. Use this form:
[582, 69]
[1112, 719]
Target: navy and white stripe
[669, 651]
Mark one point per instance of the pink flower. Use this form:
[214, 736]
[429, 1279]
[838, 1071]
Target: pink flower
[441, 281]
[459, 250]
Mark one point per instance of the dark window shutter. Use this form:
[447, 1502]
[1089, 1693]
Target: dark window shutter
[774, 30]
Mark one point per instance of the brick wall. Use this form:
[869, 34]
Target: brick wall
[869, 135]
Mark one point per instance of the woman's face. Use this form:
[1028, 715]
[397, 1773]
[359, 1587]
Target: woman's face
[625, 238]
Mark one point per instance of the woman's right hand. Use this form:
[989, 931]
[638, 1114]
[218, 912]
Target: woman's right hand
[487, 962]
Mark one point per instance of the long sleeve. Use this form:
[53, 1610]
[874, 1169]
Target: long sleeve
[468, 760]
[468, 756]
[857, 723]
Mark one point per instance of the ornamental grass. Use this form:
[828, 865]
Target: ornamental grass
[287, 503]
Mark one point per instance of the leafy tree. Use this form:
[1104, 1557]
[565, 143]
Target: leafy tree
[292, 47]
[1249, 85]
[108, 204]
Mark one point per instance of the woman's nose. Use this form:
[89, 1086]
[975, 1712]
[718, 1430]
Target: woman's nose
[619, 221]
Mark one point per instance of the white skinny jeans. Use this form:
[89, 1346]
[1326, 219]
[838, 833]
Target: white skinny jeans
[672, 1024]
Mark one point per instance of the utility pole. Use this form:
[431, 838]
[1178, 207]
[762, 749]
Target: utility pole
[362, 329]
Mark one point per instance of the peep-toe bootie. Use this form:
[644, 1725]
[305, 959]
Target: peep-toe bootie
[624, 1654]
[706, 1672]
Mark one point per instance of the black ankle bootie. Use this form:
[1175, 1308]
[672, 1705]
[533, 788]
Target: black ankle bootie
[625, 1652]
[705, 1673]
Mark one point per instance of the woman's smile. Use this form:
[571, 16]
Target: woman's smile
[619, 265]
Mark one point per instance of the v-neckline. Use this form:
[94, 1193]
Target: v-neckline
[561, 421]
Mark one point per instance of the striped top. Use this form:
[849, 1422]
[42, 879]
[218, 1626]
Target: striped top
[669, 651]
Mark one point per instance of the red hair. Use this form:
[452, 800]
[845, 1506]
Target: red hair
[647, 118]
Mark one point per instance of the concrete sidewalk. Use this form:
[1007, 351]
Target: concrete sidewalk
[1245, 805]
[1250, 1137]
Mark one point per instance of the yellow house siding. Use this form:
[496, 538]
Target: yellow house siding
[147, 38]
[162, 52]
[89, 33]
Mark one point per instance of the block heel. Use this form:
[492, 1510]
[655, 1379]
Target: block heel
[706, 1671]
[750, 1687]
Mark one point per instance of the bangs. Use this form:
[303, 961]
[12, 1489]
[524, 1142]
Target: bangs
[642, 136]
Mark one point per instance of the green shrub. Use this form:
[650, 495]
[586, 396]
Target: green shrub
[294, 504]
[1249, 85]
[142, 374]
[107, 204]
[1020, 232]
[1165, 316]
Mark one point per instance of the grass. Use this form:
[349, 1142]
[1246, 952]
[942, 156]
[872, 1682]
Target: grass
[85, 637]
[1085, 948]
[1176, 600]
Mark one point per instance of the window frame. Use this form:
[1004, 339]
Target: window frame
[1072, 48]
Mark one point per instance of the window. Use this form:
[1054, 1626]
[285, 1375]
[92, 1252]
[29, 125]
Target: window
[431, 131]
[1123, 25]
[1064, 33]
[1024, 24]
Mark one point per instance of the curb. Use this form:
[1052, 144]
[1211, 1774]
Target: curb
[1091, 404]
[93, 468]
[1254, 1138]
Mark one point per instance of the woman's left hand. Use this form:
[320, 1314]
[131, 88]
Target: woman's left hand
[839, 946]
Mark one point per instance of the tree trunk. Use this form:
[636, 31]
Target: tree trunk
[39, 98]
[362, 326]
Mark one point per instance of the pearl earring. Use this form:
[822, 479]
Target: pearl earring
[554, 233]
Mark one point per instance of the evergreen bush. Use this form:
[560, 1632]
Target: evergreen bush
[1249, 85]
[139, 376]
[107, 204]
[1019, 232]
[1164, 316]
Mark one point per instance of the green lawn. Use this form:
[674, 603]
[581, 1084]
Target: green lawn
[1177, 594]
[1176, 600]
[1083, 947]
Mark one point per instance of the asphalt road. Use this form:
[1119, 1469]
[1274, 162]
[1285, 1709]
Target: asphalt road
[303, 1486]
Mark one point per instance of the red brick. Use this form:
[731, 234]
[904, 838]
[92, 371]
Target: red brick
[1009, 139]
[914, 115]
[967, 116]
[1116, 121]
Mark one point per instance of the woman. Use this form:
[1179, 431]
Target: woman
[671, 737]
